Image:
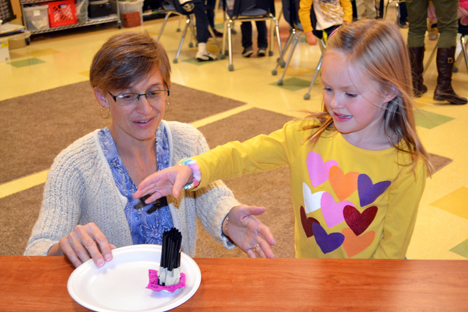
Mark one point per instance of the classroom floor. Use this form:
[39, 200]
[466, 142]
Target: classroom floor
[62, 58]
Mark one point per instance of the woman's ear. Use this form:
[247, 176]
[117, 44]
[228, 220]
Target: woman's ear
[100, 97]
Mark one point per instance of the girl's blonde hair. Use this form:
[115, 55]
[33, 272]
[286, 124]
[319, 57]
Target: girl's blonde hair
[377, 48]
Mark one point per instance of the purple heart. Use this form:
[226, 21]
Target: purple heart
[326, 242]
[369, 192]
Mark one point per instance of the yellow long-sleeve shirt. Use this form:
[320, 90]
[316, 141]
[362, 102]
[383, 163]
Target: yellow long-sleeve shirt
[348, 202]
[328, 13]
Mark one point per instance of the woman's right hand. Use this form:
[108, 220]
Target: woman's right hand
[165, 182]
[85, 242]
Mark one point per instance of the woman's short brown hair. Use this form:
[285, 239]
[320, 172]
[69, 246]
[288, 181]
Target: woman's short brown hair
[126, 58]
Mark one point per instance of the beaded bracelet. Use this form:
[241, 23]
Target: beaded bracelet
[195, 172]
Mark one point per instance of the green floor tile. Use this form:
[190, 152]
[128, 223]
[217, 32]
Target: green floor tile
[461, 249]
[293, 84]
[430, 120]
[26, 62]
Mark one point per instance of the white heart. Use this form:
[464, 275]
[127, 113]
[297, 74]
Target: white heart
[311, 201]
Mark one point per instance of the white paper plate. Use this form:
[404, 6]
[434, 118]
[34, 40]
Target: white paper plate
[120, 285]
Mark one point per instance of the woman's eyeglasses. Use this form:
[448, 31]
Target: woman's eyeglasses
[132, 98]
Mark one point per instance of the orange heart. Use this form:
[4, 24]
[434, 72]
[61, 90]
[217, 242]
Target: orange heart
[355, 244]
[343, 184]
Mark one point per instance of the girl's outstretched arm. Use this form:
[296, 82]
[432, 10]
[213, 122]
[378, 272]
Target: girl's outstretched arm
[165, 182]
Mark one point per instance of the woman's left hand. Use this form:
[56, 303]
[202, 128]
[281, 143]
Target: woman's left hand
[249, 233]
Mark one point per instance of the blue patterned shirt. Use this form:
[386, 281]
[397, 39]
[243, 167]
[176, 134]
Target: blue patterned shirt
[148, 223]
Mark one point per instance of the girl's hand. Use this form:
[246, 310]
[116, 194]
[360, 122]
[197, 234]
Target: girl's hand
[164, 182]
[85, 242]
[311, 39]
[246, 231]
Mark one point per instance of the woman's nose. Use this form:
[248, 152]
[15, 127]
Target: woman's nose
[144, 106]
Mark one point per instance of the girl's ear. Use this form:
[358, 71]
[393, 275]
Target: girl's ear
[391, 93]
[101, 97]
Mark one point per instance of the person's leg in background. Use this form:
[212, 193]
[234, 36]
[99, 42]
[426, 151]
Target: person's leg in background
[370, 8]
[403, 12]
[262, 38]
[417, 16]
[246, 30]
[360, 9]
[202, 32]
[210, 13]
[447, 23]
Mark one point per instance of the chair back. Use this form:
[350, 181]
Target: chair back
[168, 5]
[251, 8]
[462, 29]
[177, 6]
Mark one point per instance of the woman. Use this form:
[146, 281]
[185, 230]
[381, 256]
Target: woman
[88, 208]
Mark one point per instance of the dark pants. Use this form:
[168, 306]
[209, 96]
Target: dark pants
[262, 36]
[403, 13]
[204, 15]
[447, 22]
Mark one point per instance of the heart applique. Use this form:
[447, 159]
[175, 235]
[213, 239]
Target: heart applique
[368, 192]
[332, 212]
[343, 184]
[311, 201]
[359, 222]
[327, 242]
[353, 244]
[307, 223]
[318, 170]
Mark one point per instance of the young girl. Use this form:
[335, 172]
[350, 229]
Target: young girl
[358, 169]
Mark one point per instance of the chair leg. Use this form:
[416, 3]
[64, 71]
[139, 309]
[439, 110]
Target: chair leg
[187, 24]
[225, 37]
[163, 25]
[213, 36]
[231, 65]
[274, 72]
[317, 70]
[178, 26]
[193, 31]
[431, 57]
[295, 41]
[386, 8]
[278, 37]
[270, 44]
[463, 44]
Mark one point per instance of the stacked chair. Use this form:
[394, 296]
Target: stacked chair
[247, 11]
[290, 13]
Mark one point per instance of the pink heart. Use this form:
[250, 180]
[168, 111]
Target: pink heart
[318, 170]
[332, 212]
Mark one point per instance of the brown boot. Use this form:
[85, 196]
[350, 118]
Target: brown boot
[416, 56]
[444, 90]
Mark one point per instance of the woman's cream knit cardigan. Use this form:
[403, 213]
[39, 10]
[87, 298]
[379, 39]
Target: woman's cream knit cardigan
[80, 189]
